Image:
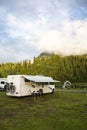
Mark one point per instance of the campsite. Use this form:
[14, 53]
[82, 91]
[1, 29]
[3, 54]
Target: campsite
[43, 65]
[58, 111]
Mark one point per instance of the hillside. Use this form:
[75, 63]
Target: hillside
[73, 68]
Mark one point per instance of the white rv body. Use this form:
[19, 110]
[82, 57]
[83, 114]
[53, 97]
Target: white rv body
[25, 85]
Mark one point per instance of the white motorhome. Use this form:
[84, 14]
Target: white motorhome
[25, 85]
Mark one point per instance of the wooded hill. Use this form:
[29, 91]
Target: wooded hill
[73, 68]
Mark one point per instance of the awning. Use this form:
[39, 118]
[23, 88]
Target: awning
[40, 79]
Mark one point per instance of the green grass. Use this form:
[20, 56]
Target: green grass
[58, 111]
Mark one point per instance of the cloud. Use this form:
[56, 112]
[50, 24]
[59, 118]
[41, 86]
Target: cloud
[16, 27]
[29, 27]
[71, 39]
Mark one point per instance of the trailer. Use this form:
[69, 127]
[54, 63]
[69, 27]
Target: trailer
[25, 85]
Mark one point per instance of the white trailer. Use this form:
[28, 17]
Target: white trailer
[25, 85]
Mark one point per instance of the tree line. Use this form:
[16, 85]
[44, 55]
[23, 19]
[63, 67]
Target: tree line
[72, 68]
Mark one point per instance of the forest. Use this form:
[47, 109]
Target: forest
[72, 68]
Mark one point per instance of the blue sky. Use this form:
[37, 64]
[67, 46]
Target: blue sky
[28, 27]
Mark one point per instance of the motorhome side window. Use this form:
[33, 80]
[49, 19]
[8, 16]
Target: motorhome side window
[51, 83]
[45, 83]
[26, 80]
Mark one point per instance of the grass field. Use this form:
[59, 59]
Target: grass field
[58, 111]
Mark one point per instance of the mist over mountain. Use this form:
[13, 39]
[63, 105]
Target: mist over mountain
[48, 53]
[45, 53]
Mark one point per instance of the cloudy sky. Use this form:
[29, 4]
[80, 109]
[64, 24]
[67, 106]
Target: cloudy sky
[28, 27]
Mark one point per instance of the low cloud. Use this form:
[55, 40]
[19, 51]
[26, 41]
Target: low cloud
[70, 39]
[47, 27]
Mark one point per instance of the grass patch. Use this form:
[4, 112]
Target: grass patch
[58, 111]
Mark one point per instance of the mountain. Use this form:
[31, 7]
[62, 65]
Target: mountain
[45, 53]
